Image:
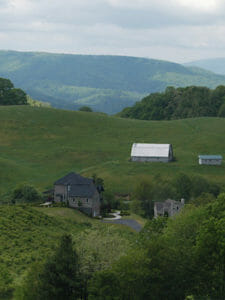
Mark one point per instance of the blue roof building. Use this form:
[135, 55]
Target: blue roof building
[210, 159]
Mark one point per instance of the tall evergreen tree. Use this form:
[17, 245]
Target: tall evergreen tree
[57, 279]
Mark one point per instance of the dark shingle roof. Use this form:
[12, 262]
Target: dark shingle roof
[82, 190]
[73, 178]
[79, 186]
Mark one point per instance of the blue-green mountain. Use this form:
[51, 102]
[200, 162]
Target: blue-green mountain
[216, 65]
[105, 83]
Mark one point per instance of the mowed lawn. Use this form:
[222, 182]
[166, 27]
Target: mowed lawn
[39, 145]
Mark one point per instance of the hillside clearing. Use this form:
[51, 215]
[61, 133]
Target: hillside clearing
[40, 145]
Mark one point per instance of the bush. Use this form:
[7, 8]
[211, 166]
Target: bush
[124, 213]
[26, 193]
[59, 204]
[85, 108]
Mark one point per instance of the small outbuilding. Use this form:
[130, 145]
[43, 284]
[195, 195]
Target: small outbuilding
[210, 159]
[151, 152]
[168, 208]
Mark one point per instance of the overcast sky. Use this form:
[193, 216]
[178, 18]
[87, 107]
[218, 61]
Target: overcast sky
[174, 30]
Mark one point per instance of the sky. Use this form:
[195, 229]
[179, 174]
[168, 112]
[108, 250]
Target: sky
[174, 30]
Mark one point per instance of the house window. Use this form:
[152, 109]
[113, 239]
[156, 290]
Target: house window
[87, 200]
[74, 199]
[68, 188]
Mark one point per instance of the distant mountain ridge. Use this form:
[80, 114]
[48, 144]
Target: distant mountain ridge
[105, 83]
[216, 65]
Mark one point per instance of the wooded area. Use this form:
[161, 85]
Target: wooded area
[180, 103]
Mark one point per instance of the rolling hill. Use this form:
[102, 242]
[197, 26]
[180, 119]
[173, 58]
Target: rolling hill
[105, 83]
[39, 145]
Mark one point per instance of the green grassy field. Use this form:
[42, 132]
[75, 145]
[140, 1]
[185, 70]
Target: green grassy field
[39, 145]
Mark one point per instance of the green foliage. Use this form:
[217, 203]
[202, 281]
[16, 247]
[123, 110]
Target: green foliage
[108, 202]
[6, 286]
[190, 188]
[30, 235]
[210, 254]
[105, 286]
[203, 199]
[85, 108]
[37, 103]
[128, 279]
[25, 193]
[221, 112]
[58, 278]
[179, 103]
[153, 228]
[143, 199]
[188, 249]
[183, 186]
[10, 95]
[98, 181]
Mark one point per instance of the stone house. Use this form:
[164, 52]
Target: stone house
[151, 152]
[168, 208]
[210, 159]
[78, 192]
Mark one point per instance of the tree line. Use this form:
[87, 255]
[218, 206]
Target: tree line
[192, 188]
[179, 103]
[9, 95]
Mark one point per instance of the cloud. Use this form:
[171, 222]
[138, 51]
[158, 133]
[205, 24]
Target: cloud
[172, 29]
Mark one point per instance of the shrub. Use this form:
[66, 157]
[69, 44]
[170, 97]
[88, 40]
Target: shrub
[25, 193]
[85, 108]
[124, 213]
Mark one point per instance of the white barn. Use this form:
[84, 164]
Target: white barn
[210, 159]
[151, 152]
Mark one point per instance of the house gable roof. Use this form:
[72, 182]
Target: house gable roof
[150, 150]
[73, 178]
[79, 186]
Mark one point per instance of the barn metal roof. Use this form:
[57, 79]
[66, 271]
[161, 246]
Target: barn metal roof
[210, 156]
[150, 150]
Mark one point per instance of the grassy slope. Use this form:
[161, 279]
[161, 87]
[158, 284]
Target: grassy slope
[39, 145]
[30, 234]
[106, 83]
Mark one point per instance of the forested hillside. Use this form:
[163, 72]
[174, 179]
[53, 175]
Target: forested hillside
[105, 83]
[180, 103]
[176, 258]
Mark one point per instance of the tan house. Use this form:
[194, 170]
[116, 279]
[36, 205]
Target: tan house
[78, 192]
